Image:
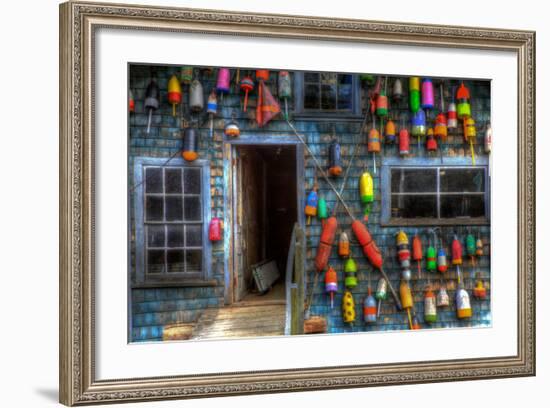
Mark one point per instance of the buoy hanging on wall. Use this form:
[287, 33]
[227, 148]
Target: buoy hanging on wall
[343, 245]
[334, 158]
[186, 75]
[427, 94]
[442, 299]
[397, 93]
[212, 109]
[328, 234]
[403, 252]
[196, 96]
[406, 300]
[369, 308]
[322, 210]
[417, 253]
[247, 85]
[223, 82]
[285, 88]
[350, 272]
[430, 307]
[190, 144]
[131, 102]
[215, 230]
[151, 103]
[331, 284]
[404, 140]
[431, 143]
[311, 204]
[366, 192]
[414, 94]
[463, 108]
[348, 307]
[232, 128]
[390, 133]
[174, 93]
[381, 293]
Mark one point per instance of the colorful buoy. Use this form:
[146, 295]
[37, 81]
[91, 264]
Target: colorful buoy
[348, 307]
[414, 94]
[343, 245]
[430, 307]
[390, 133]
[311, 204]
[247, 85]
[366, 191]
[131, 102]
[331, 284]
[334, 159]
[369, 308]
[350, 271]
[189, 151]
[223, 82]
[427, 94]
[285, 88]
[151, 103]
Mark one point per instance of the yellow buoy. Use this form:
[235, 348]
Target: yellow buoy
[174, 93]
[348, 307]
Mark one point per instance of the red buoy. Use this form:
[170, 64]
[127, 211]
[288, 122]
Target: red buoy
[370, 249]
[325, 243]
[215, 230]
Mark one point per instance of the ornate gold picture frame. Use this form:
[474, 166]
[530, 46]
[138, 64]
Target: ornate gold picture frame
[78, 25]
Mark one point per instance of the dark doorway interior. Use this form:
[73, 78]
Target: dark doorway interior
[267, 211]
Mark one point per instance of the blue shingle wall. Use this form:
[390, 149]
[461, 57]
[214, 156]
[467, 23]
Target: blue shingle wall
[154, 308]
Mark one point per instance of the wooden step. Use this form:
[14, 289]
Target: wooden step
[241, 321]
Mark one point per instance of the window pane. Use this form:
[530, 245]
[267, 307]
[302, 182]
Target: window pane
[414, 206]
[462, 205]
[193, 235]
[192, 181]
[155, 261]
[155, 236]
[175, 236]
[344, 79]
[153, 180]
[193, 258]
[311, 97]
[175, 261]
[154, 209]
[413, 180]
[311, 77]
[172, 180]
[174, 208]
[328, 97]
[344, 97]
[193, 209]
[328, 78]
[462, 180]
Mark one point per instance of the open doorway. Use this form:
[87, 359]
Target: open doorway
[266, 210]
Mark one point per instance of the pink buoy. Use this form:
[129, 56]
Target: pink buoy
[427, 94]
[222, 85]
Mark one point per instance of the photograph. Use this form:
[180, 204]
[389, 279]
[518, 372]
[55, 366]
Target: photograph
[271, 202]
[253, 202]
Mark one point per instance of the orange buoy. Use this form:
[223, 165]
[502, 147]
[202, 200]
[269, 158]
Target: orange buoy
[343, 245]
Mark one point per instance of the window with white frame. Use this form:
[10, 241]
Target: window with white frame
[424, 192]
[171, 231]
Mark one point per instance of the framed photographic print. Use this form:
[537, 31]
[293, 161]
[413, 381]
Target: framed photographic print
[256, 203]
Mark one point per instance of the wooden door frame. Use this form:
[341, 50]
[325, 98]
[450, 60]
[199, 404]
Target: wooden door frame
[230, 191]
